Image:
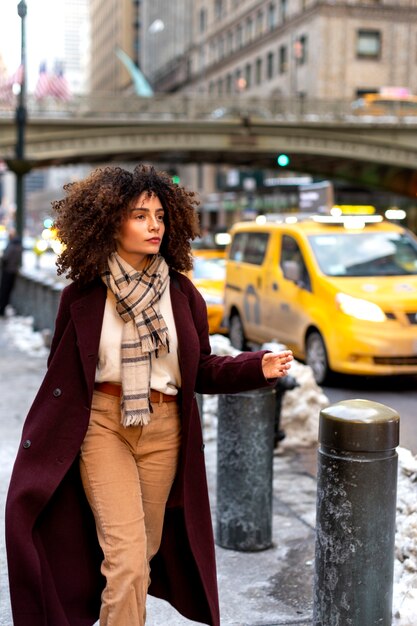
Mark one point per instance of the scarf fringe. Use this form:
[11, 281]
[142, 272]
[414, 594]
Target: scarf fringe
[137, 418]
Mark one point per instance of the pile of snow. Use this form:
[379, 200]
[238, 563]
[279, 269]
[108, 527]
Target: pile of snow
[405, 567]
[19, 330]
[301, 408]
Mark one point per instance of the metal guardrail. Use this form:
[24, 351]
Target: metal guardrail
[194, 107]
[38, 297]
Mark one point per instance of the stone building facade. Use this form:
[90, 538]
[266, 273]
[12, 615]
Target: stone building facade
[113, 24]
[315, 50]
[321, 49]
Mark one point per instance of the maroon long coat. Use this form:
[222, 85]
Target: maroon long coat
[53, 554]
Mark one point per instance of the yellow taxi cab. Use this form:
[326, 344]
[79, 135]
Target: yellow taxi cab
[385, 104]
[341, 292]
[208, 276]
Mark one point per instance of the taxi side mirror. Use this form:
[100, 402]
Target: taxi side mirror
[292, 271]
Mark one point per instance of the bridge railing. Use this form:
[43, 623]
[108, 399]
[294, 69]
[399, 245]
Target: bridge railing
[191, 106]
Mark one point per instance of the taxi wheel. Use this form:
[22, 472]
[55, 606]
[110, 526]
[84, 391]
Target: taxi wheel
[236, 333]
[316, 357]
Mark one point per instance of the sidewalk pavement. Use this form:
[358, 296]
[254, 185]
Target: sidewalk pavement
[273, 587]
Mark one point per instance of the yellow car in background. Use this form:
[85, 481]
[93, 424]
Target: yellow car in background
[341, 292]
[208, 275]
[385, 104]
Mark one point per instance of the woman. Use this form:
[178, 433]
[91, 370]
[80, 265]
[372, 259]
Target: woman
[108, 493]
[10, 263]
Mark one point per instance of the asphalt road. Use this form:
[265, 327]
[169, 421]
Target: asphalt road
[399, 393]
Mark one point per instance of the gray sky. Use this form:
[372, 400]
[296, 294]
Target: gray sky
[44, 41]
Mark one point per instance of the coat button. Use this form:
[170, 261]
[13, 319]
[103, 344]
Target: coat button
[56, 392]
[27, 443]
[203, 445]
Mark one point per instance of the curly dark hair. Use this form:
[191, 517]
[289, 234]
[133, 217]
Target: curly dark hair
[90, 215]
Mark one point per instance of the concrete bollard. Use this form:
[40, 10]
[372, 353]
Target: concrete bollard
[356, 504]
[245, 443]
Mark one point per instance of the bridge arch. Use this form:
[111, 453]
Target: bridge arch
[380, 153]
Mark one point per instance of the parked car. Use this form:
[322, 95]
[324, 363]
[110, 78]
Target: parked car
[340, 292]
[208, 276]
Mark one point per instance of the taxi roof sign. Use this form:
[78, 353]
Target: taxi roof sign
[353, 209]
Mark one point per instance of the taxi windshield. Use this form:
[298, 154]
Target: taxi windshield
[212, 268]
[365, 254]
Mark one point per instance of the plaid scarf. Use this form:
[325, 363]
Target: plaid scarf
[145, 332]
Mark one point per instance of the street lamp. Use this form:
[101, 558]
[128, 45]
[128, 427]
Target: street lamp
[20, 167]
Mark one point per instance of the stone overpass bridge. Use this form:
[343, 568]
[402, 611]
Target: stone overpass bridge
[321, 138]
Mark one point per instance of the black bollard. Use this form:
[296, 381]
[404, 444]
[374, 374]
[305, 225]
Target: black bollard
[356, 503]
[245, 442]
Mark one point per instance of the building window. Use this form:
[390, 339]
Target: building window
[283, 10]
[368, 44]
[270, 65]
[272, 16]
[258, 71]
[238, 79]
[259, 23]
[229, 42]
[221, 48]
[200, 176]
[202, 59]
[229, 83]
[248, 75]
[300, 50]
[239, 37]
[249, 30]
[203, 20]
[283, 59]
[220, 86]
[218, 9]
[212, 51]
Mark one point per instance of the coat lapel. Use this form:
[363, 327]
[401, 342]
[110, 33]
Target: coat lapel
[87, 315]
[189, 350]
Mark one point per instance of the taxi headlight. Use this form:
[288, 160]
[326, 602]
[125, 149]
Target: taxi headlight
[361, 309]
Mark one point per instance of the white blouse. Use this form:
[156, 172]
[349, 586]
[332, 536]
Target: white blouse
[165, 370]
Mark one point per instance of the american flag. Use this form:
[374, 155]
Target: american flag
[58, 86]
[43, 83]
[6, 84]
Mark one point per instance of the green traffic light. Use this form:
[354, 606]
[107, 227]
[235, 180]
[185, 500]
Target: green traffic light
[176, 179]
[48, 222]
[283, 160]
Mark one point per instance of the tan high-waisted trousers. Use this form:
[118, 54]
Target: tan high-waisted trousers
[127, 475]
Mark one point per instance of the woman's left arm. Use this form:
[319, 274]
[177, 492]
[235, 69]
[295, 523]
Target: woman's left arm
[231, 374]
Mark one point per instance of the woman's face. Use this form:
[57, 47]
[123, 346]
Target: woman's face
[141, 232]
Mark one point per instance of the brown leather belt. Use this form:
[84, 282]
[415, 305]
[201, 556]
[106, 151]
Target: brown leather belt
[113, 389]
